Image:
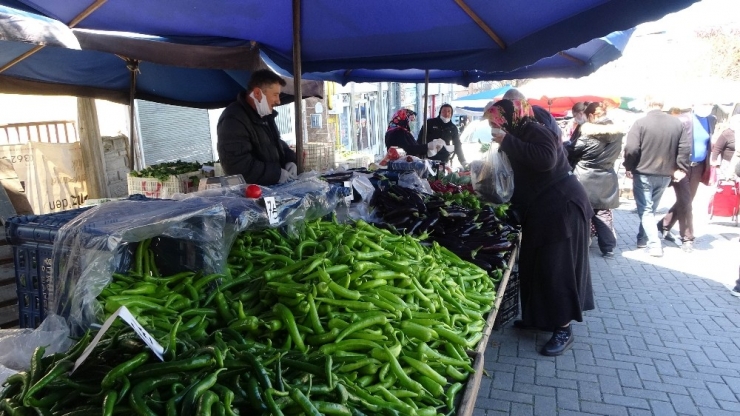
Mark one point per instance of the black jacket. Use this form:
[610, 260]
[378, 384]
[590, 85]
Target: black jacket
[448, 132]
[657, 144]
[403, 138]
[594, 154]
[546, 119]
[250, 145]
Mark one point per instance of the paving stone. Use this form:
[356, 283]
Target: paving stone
[702, 397]
[626, 401]
[665, 368]
[716, 412]
[646, 394]
[630, 378]
[647, 372]
[524, 375]
[503, 381]
[520, 409]
[493, 404]
[545, 406]
[535, 389]
[616, 364]
[545, 369]
[574, 375]
[639, 412]
[733, 406]
[610, 385]
[603, 409]
[683, 404]
[568, 399]
[682, 363]
[662, 408]
[584, 357]
[668, 388]
[720, 391]
[589, 391]
[512, 396]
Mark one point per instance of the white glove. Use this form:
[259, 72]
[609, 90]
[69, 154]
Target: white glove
[292, 169]
[284, 176]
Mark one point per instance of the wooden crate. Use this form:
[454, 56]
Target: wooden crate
[470, 394]
[8, 294]
[481, 348]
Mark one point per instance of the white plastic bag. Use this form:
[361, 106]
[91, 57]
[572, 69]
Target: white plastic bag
[493, 177]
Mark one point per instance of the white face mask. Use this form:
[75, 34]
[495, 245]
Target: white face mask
[445, 119]
[495, 131]
[261, 106]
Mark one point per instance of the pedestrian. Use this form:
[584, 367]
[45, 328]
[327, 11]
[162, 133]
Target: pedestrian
[399, 135]
[724, 148]
[686, 187]
[249, 142]
[442, 127]
[540, 114]
[554, 212]
[656, 151]
[363, 135]
[594, 153]
[579, 118]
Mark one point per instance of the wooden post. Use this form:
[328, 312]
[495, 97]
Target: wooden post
[91, 145]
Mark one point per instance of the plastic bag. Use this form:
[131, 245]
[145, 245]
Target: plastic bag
[17, 345]
[412, 181]
[394, 153]
[493, 177]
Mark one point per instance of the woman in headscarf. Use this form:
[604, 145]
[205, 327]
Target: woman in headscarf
[553, 208]
[399, 135]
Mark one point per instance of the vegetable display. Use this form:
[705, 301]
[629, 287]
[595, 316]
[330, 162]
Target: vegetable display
[336, 319]
[163, 171]
[478, 233]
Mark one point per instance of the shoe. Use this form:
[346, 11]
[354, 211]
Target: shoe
[561, 341]
[669, 237]
[519, 324]
[656, 252]
[608, 254]
[641, 243]
[687, 246]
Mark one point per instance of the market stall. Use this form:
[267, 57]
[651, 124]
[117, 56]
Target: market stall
[305, 299]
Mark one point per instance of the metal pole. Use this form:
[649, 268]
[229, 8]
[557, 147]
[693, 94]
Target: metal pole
[297, 93]
[426, 99]
[133, 67]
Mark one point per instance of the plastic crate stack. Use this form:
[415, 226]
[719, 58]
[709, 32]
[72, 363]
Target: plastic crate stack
[318, 156]
[32, 238]
[509, 308]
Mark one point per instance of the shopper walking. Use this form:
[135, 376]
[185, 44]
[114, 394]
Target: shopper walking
[594, 153]
[554, 273]
[657, 150]
[686, 187]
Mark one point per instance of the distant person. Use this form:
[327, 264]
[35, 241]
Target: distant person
[724, 148]
[657, 150]
[579, 118]
[553, 208]
[540, 114]
[249, 141]
[682, 210]
[363, 135]
[442, 127]
[399, 135]
[594, 152]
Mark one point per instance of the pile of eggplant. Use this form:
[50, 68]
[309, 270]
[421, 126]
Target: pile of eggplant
[483, 236]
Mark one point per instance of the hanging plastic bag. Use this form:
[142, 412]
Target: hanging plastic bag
[493, 177]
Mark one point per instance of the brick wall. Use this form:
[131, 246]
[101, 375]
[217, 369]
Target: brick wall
[116, 162]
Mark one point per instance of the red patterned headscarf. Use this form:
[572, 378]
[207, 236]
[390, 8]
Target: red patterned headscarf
[509, 115]
[401, 120]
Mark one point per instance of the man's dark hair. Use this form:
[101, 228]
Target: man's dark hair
[446, 105]
[263, 78]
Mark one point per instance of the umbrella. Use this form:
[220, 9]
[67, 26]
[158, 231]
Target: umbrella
[482, 35]
[476, 102]
[579, 61]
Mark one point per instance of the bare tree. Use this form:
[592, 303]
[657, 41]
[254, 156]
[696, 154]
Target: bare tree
[724, 53]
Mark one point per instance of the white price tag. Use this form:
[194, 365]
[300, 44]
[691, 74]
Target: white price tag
[126, 315]
[271, 207]
[348, 199]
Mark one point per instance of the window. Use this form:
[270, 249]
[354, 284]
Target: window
[315, 121]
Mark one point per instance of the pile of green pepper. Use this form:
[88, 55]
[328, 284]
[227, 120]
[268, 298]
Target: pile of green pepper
[338, 319]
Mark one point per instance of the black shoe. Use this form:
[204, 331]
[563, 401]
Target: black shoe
[666, 234]
[561, 341]
[608, 254]
[641, 243]
[519, 324]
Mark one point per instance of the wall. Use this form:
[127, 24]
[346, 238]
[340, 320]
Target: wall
[115, 151]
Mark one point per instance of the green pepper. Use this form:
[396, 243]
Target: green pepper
[304, 403]
[288, 319]
[191, 399]
[137, 399]
[60, 368]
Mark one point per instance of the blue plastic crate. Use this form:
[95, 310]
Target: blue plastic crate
[32, 238]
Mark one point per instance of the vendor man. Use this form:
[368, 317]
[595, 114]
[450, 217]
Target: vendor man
[249, 141]
[442, 127]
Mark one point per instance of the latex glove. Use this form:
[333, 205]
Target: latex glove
[284, 176]
[434, 146]
[292, 169]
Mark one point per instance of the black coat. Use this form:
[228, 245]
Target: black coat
[438, 129]
[250, 145]
[657, 144]
[594, 153]
[403, 138]
[553, 262]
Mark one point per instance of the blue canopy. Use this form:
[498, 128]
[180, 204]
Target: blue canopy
[575, 62]
[196, 72]
[482, 35]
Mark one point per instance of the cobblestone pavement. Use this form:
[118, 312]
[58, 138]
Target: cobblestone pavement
[664, 338]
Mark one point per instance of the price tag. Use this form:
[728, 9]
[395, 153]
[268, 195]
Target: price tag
[348, 199]
[271, 207]
[127, 317]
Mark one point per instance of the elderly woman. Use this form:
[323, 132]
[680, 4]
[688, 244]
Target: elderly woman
[724, 148]
[399, 134]
[555, 278]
